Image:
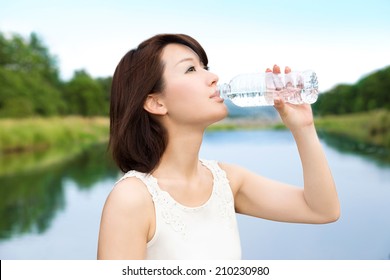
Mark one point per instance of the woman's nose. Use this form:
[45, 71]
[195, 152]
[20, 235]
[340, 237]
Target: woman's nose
[213, 78]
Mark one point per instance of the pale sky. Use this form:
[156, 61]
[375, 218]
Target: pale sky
[340, 40]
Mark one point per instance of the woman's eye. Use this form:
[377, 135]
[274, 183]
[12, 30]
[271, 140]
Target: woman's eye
[191, 69]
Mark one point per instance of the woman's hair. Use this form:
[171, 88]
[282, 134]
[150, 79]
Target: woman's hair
[137, 139]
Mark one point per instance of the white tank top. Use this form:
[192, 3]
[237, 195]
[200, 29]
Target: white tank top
[206, 232]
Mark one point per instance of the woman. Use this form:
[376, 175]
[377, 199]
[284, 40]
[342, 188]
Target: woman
[172, 205]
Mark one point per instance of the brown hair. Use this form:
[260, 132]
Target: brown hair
[137, 140]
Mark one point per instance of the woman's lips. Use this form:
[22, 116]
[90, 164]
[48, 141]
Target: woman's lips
[216, 96]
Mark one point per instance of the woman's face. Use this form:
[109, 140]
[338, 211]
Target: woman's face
[190, 90]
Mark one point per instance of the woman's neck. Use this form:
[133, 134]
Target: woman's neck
[181, 157]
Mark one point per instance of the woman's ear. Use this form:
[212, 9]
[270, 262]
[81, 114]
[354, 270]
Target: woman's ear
[154, 105]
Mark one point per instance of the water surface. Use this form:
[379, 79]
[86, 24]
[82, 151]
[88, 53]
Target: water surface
[52, 210]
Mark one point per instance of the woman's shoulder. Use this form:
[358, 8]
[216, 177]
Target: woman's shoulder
[234, 173]
[232, 169]
[122, 226]
[129, 194]
[227, 167]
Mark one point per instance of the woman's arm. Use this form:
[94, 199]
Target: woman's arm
[319, 188]
[126, 222]
[317, 202]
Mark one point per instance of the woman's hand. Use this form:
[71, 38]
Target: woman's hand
[293, 116]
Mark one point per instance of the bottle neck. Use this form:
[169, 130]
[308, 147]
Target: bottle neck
[224, 90]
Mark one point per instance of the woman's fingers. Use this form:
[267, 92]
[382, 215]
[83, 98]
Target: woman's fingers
[288, 79]
[276, 69]
[276, 78]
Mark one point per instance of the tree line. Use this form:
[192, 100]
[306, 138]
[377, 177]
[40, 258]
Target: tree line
[30, 83]
[369, 93]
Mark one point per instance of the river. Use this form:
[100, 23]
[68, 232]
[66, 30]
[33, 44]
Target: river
[50, 202]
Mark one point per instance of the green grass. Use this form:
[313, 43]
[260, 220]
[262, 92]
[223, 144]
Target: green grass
[243, 124]
[18, 135]
[371, 127]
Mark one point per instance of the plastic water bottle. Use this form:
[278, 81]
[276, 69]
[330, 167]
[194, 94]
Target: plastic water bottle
[260, 89]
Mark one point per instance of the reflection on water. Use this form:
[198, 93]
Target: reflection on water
[347, 145]
[32, 185]
[51, 201]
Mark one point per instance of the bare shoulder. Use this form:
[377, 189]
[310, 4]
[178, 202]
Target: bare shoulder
[127, 222]
[129, 194]
[234, 173]
[127, 200]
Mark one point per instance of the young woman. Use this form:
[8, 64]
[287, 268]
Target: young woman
[172, 205]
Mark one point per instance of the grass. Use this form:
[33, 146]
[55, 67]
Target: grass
[371, 127]
[19, 135]
[243, 124]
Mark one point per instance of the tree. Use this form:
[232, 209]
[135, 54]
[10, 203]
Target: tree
[29, 78]
[85, 95]
[369, 93]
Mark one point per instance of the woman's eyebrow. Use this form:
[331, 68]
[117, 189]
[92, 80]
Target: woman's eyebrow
[185, 60]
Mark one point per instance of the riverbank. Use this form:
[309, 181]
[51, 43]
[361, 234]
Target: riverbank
[32, 134]
[22, 135]
[371, 127]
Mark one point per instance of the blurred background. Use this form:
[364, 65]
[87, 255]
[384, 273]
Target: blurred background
[57, 59]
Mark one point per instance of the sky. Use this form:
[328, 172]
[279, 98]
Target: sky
[342, 41]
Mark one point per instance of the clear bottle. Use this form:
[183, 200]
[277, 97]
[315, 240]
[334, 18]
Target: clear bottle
[260, 89]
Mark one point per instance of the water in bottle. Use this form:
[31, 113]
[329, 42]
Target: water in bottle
[260, 89]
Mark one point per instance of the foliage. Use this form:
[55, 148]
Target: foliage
[370, 93]
[30, 84]
[370, 127]
[40, 133]
[34, 184]
[86, 96]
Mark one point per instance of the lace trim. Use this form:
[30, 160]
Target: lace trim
[223, 191]
[171, 211]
